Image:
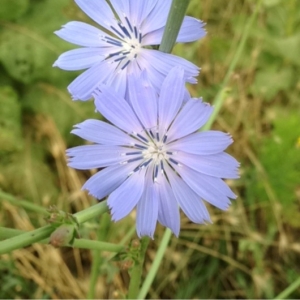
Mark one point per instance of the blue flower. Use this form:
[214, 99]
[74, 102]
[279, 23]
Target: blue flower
[110, 57]
[153, 158]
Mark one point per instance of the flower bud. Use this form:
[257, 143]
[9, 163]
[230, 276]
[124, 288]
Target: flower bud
[62, 236]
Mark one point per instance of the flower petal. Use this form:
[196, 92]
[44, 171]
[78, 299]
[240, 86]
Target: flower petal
[99, 11]
[107, 180]
[157, 17]
[207, 187]
[191, 30]
[147, 208]
[188, 200]
[82, 34]
[115, 109]
[102, 133]
[143, 99]
[192, 116]
[86, 83]
[168, 211]
[164, 63]
[82, 58]
[123, 200]
[99, 156]
[220, 165]
[170, 98]
[202, 143]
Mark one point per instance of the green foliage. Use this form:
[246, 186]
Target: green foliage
[280, 157]
[10, 122]
[13, 9]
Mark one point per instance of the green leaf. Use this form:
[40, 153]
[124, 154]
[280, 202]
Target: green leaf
[280, 158]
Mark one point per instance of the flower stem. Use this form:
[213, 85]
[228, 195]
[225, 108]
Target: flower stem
[77, 243]
[137, 271]
[97, 259]
[96, 245]
[155, 265]
[37, 235]
[175, 19]
[25, 239]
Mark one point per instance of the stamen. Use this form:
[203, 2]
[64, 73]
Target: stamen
[162, 166]
[136, 169]
[142, 138]
[129, 25]
[135, 159]
[174, 161]
[170, 153]
[134, 153]
[155, 172]
[124, 30]
[157, 136]
[115, 43]
[140, 37]
[165, 138]
[125, 53]
[151, 133]
[135, 32]
[114, 54]
[135, 55]
[120, 58]
[141, 147]
[127, 63]
[118, 32]
[144, 165]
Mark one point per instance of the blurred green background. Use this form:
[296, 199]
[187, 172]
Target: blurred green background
[250, 251]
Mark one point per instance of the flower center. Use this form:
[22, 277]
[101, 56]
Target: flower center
[128, 39]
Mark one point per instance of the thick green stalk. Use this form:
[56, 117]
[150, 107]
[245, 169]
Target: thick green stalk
[96, 245]
[155, 265]
[137, 271]
[218, 102]
[25, 239]
[37, 235]
[97, 259]
[77, 243]
[175, 18]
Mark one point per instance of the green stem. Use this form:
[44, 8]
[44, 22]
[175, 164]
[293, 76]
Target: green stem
[25, 204]
[25, 239]
[96, 245]
[175, 18]
[137, 271]
[91, 212]
[219, 100]
[97, 259]
[155, 265]
[37, 235]
[77, 243]
[289, 290]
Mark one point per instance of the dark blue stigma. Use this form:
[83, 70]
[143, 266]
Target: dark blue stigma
[141, 147]
[128, 23]
[127, 63]
[174, 161]
[117, 32]
[142, 138]
[124, 30]
[133, 153]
